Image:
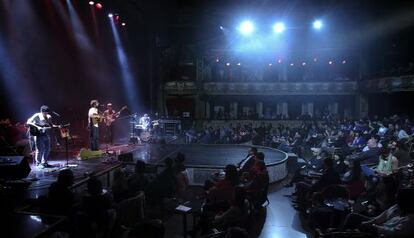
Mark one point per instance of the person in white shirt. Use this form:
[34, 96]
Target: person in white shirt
[40, 123]
[145, 122]
[93, 122]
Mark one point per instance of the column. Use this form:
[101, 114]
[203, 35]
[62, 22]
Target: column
[207, 110]
[200, 112]
[361, 106]
[285, 110]
[234, 110]
[259, 109]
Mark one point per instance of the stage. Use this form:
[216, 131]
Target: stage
[201, 162]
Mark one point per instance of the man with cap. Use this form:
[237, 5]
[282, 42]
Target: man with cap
[40, 123]
[110, 115]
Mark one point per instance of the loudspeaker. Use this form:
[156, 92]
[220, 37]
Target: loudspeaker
[127, 157]
[14, 167]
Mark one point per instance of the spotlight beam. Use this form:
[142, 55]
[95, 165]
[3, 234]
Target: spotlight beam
[126, 75]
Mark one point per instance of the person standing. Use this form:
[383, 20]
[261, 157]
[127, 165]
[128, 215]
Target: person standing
[93, 122]
[110, 115]
[40, 123]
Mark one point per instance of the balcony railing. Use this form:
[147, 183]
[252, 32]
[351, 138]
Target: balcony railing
[281, 88]
[388, 84]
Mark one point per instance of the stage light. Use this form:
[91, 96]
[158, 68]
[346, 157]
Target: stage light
[317, 24]
[238, 64]
[110, 15]
[221, 28]
[91, 3]
[330, 62]
[292, 64]
[279, 61]
[228, 64]
[343, 61]
[217, 60]
[246, 27]
[98, 6]
[304, 64]
[279, 27]
[270, 64]
[315, 59]
[123, 24]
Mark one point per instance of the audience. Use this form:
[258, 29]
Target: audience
[61, 198]
[138, 181]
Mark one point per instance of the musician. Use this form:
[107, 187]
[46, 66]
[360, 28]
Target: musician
[110, 115]
[42, 121]
[145, 121]
[93, 122]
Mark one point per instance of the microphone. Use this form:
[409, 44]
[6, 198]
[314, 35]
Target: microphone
[55, 113]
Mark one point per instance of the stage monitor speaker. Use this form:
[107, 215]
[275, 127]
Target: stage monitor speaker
[14, 167]
[127, 157]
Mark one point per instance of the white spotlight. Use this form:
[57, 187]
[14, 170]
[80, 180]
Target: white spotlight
[221, 28]
[317, 24]
[279, 27]
[238, 64]
[123, 24]
[110, 15]
[91, 3]
[246, 27]
[227, 64]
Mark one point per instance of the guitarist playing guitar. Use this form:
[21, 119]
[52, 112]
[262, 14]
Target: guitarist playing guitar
[39, 124]
[110, 116]
[93, 120]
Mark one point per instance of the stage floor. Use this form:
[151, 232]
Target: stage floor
[197, 156]
[203, 155]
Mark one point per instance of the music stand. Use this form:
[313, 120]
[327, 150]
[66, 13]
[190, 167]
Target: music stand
[64, 131]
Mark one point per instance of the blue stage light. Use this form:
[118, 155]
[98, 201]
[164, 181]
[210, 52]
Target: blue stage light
[317, 24]
[246, 28]
[279, 27]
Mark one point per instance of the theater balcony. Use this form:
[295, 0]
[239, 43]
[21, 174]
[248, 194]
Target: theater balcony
[180, 88]
[388, 84]
[280, 88]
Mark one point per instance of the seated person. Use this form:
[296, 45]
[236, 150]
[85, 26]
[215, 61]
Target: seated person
[259, 158]
[97, 214]
[396, 221]
[247, 163]
[329, 177]
[388, 163]
[401, 153]
[258, 183]
[120, 188]
[355, 180]
[223, 190]
[358, 141]
[237, 212]
[61, 198]
[138, 181]
[180, 175]
[370, 156]
[165, 184]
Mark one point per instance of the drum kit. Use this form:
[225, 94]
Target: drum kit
[141, 131]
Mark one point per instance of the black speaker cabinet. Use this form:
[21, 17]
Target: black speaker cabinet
[14, 167]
